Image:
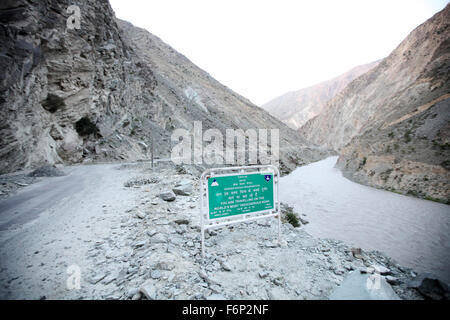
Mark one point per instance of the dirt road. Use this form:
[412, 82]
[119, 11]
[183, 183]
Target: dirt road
[50, 225]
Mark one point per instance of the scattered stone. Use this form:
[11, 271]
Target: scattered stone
[132, 292]
[216, 296]
[137, 182]
[137, 296]
[181, 221]
[303, 221]
[180, 169]
[392, 280]
[283, 243]
[225, 266]
[108, 280]
[140, 215]
[339, 271]
[140, 244]
[168, 196]
[46, 171]
[148, 290]
[270, 244]
[208, 279]
[430, 287]
[381, 269]
[367, 270]
[263, 274]
[162, 265]
[190, 244]
[97, 278]
[349, 267]
[151, 233]
[184, 188]
[156, 274]
[357, 253]
[159, 238]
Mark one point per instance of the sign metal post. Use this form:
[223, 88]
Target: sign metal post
[238, 194]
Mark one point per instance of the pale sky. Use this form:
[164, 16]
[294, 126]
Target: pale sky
[263, 49]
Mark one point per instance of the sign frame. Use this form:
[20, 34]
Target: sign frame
[207, 223]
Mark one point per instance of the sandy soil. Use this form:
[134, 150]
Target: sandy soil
[57, 221]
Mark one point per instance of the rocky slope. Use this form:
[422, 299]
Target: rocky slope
[135, 245]
[297, 107]
[104, 91]
[391, 125]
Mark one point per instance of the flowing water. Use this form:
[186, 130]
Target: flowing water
[415, 232]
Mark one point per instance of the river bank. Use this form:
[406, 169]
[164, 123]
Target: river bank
[129, 243]
[413, 231]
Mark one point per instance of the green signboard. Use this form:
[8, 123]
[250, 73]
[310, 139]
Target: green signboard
[240, 194]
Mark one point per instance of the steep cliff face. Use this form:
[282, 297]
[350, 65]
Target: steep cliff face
[65, 93]
[105, 90]
[391, 125]
[297, 107]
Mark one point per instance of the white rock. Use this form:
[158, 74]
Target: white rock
[149, 290]
[381, 269]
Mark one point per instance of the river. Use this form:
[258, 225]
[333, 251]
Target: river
[415, 232]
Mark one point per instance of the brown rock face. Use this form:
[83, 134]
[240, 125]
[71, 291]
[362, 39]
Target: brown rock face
[391, 125]
[104, 91]
[297, 107]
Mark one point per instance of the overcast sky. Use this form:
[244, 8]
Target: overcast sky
[263, 49]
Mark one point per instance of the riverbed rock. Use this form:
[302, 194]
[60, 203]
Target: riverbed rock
[148, 290]
[430, 287]
[183, 188]
[46, 171]
[140, 215]
[381, 269]
[168, 196]
[392, 280]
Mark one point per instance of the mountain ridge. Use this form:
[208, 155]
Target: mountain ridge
[390, 125]
[96, 94]
[296, 107]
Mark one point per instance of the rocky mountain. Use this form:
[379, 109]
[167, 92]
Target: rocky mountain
[295, 108]
[105, 90]
[391, 125]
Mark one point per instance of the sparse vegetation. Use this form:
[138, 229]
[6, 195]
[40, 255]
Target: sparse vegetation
[292, 219]
[289, 215]
[363, 162]
[407, 136]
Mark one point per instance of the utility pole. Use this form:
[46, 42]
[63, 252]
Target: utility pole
[153, 149]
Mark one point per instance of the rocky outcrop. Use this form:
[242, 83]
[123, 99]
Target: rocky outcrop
[106, 91]
[391, 125]
[297, 107]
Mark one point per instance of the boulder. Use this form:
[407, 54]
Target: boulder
[168, 196]
[148, 290]
[183, 188]
[430, 287]
[381, 269]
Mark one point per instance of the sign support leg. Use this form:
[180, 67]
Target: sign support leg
[279, 227]
[203, 242]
